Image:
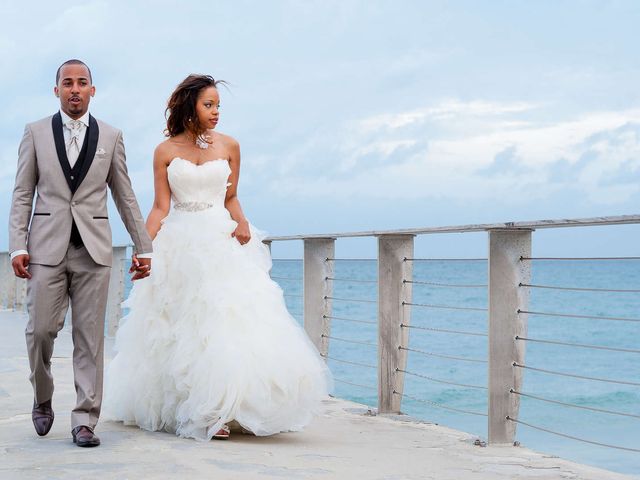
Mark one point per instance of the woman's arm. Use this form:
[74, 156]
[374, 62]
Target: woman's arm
[231, 201]
[162, 199]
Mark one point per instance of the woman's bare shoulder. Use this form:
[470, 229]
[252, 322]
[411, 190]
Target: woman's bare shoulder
[228, 140]
[165, 151]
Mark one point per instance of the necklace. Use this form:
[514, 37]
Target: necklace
[203, 141]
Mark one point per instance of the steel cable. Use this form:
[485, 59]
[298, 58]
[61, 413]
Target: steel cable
[580, 345]
[349, 362]
[571, 315]
[436, 284]
[350, 300]
[580, 289]
[368, 322]
[592, 442]
[583, 377]
[460, 332]
[437, 380]
[446, 307]
[439, 405]
[573, 405]
[441, 355]
[348, 341]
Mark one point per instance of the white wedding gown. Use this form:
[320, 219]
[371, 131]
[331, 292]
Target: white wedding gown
[208, 338]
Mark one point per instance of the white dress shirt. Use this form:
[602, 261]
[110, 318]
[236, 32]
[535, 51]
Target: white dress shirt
[74, 132]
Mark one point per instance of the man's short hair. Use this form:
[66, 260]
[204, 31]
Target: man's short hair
[73, 61]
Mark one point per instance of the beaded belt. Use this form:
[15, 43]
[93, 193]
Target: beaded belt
[192, 206]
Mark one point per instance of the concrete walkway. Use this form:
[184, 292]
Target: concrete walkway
[343, 443]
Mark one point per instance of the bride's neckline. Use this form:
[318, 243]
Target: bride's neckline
[197, 164]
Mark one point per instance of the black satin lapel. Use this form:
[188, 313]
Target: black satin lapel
[58, 137]
[92, 146]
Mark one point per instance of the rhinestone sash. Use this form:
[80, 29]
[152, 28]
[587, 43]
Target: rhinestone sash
[192, 206]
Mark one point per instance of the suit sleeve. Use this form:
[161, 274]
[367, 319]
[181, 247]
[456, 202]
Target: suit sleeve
[23, 192]
[125, 200]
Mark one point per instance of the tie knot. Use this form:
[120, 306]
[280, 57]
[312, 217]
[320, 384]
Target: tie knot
[74, 125]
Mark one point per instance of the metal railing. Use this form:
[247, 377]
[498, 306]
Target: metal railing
[509, 264]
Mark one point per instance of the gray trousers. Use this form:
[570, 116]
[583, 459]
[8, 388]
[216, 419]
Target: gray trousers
[84, 283]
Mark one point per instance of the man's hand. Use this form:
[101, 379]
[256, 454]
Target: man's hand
[20, 263]
[142, 267]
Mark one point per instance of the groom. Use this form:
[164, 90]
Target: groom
[64, 248]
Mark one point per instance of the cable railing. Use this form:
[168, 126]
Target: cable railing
[412, 310]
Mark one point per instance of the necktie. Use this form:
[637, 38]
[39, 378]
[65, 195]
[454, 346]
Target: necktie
[73, 145]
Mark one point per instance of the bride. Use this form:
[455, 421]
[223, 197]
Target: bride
[208, 341]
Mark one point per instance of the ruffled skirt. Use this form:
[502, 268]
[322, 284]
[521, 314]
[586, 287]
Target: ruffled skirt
[208, 339]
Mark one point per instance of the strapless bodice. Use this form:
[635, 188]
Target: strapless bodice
[194, 187]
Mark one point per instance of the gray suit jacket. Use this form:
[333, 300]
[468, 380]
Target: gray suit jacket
[46, 234]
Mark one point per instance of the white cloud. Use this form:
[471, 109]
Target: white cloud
[470, 136]
[449, 110]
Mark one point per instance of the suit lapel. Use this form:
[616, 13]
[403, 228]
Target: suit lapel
[58, 137]
[93, 133]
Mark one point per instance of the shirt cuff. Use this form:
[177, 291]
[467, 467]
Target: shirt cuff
[18, 252]
[144, 255]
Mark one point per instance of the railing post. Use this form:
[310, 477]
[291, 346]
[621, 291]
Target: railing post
[506, 272]
[317, 308]
[21, 294]
[5, 271]
[10, 285]
[393, 292]
[116, 289]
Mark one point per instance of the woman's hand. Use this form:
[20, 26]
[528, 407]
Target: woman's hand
[242, 233]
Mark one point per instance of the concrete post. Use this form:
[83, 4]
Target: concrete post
[10, 285]
[116, 289]
[392, 292]
[317, 308]
[21, 294]
[5, 272]
[506, 272]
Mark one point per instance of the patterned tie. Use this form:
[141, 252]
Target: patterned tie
[73, 146]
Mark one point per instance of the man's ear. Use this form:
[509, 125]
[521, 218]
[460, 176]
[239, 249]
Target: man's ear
[56, 92]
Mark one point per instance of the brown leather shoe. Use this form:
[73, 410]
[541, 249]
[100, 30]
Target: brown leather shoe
[83, 436]
[42, 417]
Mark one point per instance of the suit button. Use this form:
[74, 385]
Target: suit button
[72, 177]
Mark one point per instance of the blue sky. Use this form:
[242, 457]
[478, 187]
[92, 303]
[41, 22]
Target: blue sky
[359, 115]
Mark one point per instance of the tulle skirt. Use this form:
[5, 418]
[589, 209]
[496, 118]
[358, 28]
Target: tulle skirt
[208, 339]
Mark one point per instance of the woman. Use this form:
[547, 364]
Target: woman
[208, 339]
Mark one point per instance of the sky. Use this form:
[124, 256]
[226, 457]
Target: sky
[362, 115]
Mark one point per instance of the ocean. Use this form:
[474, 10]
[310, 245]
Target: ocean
[619, 430]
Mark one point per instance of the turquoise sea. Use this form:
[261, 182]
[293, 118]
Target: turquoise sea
[600, 427]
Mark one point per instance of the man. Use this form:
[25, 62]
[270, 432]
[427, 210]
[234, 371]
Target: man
[64, 250]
